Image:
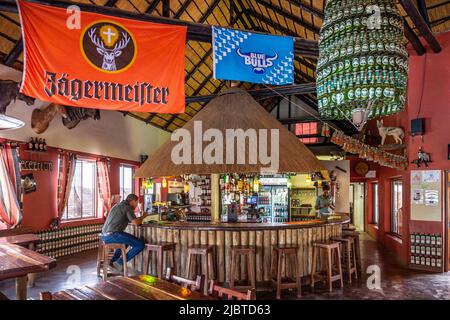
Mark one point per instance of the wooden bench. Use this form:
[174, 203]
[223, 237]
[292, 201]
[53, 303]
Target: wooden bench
[195, 285]
[229, 294]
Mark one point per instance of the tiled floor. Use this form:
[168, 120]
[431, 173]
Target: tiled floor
[396, 281]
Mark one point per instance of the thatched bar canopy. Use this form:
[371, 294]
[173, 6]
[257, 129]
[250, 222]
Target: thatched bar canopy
[233, 109]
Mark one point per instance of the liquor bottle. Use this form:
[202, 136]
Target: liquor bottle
[36, 144]
[41, 145]
[45, 145]
[31, 144]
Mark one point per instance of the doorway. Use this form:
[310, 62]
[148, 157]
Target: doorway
[357, 204]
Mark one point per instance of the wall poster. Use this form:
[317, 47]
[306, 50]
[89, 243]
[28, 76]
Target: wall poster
[426, 195]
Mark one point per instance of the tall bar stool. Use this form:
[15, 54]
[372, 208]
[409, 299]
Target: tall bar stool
[249, 252]
[279, 255]
[206, 253]
[355, 236]
[105, 254]
[348, 256]
[330, 249]
[159, 249]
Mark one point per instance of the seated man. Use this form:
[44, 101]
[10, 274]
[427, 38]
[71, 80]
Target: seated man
[116, 222]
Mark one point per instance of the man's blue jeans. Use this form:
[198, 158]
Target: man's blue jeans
[137, 245]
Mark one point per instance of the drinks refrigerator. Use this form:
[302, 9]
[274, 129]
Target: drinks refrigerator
[274, 202]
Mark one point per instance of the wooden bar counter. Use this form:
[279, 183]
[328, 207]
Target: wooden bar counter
[262, 236]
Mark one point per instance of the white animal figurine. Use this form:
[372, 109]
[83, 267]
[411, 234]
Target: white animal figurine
[395, 132]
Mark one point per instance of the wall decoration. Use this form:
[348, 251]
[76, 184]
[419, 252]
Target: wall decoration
[369, 153]
[115, 63]
[28, 183]
[431, 197]
[361, 168]
[426, 195]
[422, 157]
[36, 165]
[417, 196]
[363, 63]
[431, 176]
[397, 133]
[252, 57]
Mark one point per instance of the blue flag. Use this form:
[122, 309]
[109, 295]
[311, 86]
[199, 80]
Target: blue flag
[253, 57]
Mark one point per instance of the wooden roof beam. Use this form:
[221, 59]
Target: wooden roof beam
[424, 12]
[309, 45]
[295, 89]
[420, 23]
[195, 31]
[414, 39]
[288, 15]
[306, 8]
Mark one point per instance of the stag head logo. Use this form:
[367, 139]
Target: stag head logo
[259, 61]
[108, 46]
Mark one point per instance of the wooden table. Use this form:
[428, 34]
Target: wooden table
[17, 262]
[28, 240]
[142, 287]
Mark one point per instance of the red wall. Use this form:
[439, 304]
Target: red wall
[435, 83]
[39, 207]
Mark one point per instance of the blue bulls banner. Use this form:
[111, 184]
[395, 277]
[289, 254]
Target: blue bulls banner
[253, 57]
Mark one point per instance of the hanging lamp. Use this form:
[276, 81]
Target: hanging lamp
[362, 69]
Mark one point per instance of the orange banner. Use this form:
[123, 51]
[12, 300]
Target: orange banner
[101, 61]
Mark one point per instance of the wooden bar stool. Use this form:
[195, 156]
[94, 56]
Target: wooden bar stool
[278, 262]
[330, 248]
[105, 254]
[249, 252]
[206, 253]
[348, 256]
[355, 236]
[159, 249]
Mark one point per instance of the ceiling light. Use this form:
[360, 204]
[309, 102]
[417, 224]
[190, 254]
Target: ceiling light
[10, 123]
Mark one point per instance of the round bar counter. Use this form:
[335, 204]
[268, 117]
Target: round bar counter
[222, 236]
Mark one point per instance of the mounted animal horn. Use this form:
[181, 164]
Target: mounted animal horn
[41, 118]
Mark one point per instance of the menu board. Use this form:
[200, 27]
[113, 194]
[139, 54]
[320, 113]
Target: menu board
[426, 195]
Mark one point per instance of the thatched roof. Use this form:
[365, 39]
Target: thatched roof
[283, 17]
[234, 109]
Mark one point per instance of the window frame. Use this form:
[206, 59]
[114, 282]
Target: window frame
[65, 217]
[394, 210]
[121, 174]
[307, 128]
[375, 203]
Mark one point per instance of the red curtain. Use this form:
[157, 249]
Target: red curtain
[65, 176]
[104, 186]
[10, 187]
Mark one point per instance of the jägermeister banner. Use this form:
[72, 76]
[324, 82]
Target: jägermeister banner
[362, 58]
[105, 62]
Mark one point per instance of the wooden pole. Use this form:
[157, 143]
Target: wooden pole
[215, 197]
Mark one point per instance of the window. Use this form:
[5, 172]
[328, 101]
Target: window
[83, 197]
[396, 207]
[305, 129]
[375, 205]
[126, 181]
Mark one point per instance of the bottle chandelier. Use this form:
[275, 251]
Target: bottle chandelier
[362, 69]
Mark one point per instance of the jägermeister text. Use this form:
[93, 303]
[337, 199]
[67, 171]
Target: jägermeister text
[75, 89]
